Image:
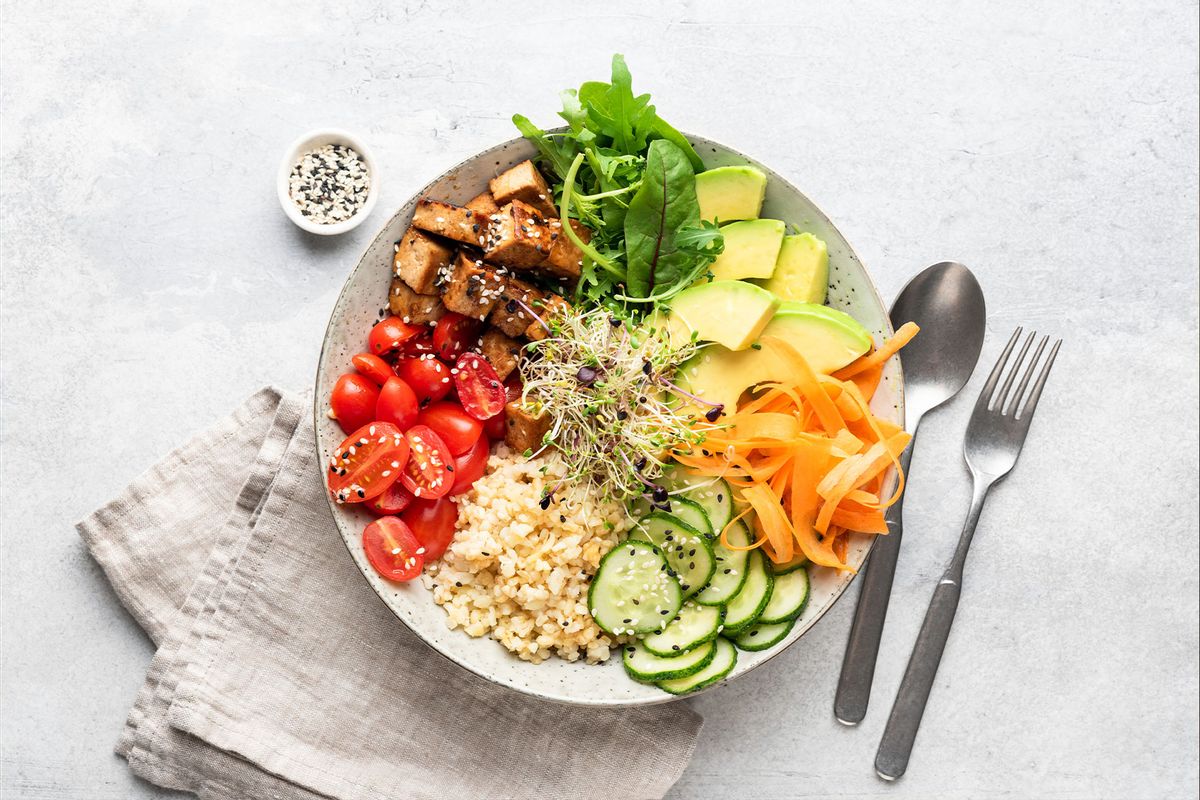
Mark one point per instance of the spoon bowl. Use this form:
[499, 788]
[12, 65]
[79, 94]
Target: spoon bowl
[946, 301]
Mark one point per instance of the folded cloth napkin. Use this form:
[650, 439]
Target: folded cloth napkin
[280, 674]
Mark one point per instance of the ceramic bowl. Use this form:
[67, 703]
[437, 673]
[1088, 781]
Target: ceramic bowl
[311, 141]
[365, 292]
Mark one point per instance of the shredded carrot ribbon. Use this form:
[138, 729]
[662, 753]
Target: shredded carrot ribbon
[807, 456]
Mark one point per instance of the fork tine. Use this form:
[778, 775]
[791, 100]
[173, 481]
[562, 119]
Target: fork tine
[1016, 400]
[985, 395]
[1031, 404]
[1012, 373]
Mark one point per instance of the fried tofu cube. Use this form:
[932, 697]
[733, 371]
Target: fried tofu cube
[551, 307]
[565, 260]
[418, 259]
[414, 308]
[502, 352]
[522, 430]
[523, 182]
[454, 222]
[483, 203]
[518, 237]
[473, 288]
[508, 316]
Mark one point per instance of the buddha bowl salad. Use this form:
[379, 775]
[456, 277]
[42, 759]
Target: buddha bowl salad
[609, 408]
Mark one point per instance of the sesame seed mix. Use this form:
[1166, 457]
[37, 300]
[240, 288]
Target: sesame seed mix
[329, 184]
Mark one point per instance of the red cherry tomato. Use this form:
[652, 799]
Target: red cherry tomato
[353, 401]
[479, 389]
[493, 427]
[470, 466]
[394, 499]
[427, 376]
[397, 404]
[392, 549]
[419, 345]
[429, 472]
[432, 522]
[372, 367]
[454, 335]
[369, 461]
[389, 334]
[513, 387]
[459, 430]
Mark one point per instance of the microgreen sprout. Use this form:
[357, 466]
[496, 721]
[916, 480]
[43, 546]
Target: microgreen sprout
[602, 381]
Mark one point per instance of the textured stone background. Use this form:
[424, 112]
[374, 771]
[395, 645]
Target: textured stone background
[150, 282]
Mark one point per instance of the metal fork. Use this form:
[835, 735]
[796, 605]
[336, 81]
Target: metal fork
[994, 438]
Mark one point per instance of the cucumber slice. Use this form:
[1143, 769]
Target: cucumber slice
[692, 513]
[713, 494]
[688, 551]
[744, 608]
[642, 665]
[724, 660]
[760, 636]
[731, 568]
[798, 561]
[633, 592]
[788, 598]
[693, 626]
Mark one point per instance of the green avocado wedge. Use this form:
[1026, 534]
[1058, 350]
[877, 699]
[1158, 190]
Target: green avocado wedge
[731, 193]
[751, 249]
[730, 313]
[801, 271]
[828, 339]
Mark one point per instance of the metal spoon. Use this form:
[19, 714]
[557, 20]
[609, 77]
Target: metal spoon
[946, 301]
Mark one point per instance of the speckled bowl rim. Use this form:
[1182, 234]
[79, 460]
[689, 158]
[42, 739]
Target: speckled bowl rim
[319, 411]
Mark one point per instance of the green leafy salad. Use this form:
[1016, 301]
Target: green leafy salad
[630, 177]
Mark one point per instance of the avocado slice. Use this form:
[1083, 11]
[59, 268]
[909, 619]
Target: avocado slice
[801, 271]
[731, 193]
[731, 313]
[827, 338]
[751, 250]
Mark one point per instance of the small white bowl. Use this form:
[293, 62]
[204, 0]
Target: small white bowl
[311, 141]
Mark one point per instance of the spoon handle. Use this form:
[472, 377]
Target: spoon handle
[858, 664]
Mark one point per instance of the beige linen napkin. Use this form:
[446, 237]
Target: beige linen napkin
[280, 674]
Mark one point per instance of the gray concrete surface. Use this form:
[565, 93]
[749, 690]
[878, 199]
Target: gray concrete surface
[150, 282]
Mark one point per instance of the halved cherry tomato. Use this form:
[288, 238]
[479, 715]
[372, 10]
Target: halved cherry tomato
[353, 401]
[454, 335]
[469, 467]
[458, 429]
[479, 388]
[372, 367]
[393, 500]
[392, 549]
[427, 376]
[389, 334]
[430, 469]
[367, 462]
[397, 404]
[432, 522]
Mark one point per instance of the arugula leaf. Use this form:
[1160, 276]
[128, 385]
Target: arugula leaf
[555, 152]
[664, 203]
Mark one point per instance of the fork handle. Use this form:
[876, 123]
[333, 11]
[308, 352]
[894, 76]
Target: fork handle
[862, 648]
[895, 747]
